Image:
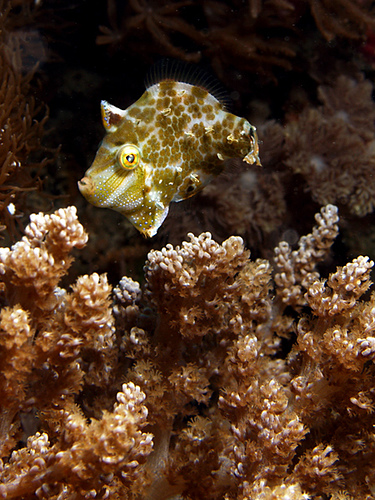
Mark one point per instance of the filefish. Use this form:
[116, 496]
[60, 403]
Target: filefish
[165, 147]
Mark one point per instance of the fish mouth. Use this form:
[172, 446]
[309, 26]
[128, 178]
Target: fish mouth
[87, 186]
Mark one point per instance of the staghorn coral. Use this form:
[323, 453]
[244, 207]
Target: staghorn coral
[260, 424]
[215, 404]
[296, 269]
[87, 453]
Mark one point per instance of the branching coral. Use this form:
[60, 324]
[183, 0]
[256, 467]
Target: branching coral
[258, 36]
[20, 130]
[341, 18]
[296, 269]
[65, 339]
[88, 454]
[156, 19]
[334, 149]
[215, 404]
[261, 423]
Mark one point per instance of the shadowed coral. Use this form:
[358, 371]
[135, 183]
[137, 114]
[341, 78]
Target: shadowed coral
[351, 101]
[253, 205]
[255, 35]
[341, 18]
[333, 146]
[155, 19]
[21, 129]
[326, 151]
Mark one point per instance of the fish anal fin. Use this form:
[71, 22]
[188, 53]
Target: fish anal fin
[148, 225]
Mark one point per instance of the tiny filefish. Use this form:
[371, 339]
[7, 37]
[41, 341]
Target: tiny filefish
[165, 147]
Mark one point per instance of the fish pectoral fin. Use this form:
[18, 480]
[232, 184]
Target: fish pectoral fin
[189, 187]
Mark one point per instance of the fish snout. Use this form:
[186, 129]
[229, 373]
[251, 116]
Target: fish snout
[87, 187]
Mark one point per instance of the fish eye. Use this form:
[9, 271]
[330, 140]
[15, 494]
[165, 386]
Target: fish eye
[129, 157]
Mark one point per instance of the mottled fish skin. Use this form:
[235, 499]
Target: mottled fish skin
[165, 147]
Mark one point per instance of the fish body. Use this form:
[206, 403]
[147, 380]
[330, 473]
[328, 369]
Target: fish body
[165, 147]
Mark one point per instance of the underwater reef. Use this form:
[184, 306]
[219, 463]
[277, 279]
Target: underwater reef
[178, 388]
[232, 355]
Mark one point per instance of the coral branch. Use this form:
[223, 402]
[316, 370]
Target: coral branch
[237, 386]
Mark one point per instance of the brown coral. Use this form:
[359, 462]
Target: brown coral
[212, 407]
[153, 20]
[21, 127]
[81, 459]
[236, 36]
[342, 18]
[333, 146]
[296, 269]
[63, 338]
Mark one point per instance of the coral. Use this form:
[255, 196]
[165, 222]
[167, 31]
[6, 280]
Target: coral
[341, 18]
[174, 28]
[240, 382]
[243, 45]
[268, 414]
[155, 19]
[253, 206]
[210, 374]
[113, 446]
[351, 101]
[296, 269]
[261, 36]
[65, 339]
[334, 149]
[21, 127]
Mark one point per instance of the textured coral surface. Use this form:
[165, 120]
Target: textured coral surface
[221, 377]
[232, 356]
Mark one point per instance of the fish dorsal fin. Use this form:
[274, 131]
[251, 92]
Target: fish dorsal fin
[178, 71]
[111, 116]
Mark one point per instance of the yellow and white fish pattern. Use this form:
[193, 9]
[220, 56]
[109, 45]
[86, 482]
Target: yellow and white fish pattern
[165, 147]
